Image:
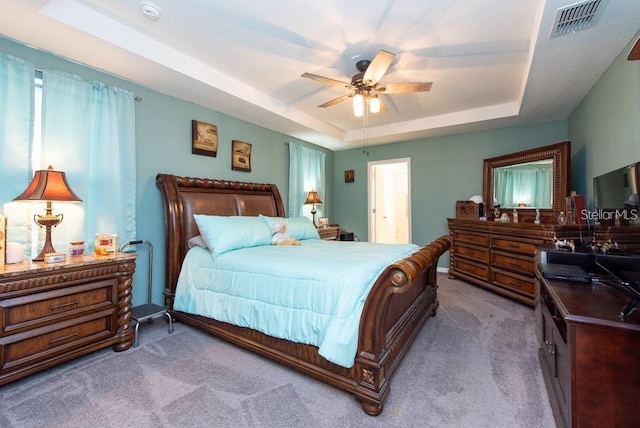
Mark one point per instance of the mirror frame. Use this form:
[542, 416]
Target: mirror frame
[559, 153]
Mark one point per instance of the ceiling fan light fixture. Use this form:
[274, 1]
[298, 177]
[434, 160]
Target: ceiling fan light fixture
[365, 85]
[374, 104]
[358, 105]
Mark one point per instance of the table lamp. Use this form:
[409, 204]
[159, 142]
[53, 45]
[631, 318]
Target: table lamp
[48, 185]
[313, 198]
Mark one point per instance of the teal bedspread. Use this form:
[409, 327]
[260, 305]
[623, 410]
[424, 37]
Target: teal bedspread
[313, 293]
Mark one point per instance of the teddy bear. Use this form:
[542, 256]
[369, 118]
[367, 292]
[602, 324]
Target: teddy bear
[280, 236]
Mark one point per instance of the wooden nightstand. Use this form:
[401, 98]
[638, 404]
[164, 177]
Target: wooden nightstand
[329, 233]
[52, 313]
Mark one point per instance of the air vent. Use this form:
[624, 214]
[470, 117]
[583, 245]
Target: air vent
[577, 17]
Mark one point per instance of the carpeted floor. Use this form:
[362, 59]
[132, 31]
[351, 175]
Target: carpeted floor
[474, 365]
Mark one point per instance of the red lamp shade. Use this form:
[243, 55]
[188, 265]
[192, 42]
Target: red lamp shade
[48, 185]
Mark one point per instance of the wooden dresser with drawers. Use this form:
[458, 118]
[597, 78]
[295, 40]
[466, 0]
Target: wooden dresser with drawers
[500, 256]
[51, 313]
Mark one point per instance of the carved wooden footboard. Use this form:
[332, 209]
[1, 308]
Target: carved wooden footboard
[400, 302]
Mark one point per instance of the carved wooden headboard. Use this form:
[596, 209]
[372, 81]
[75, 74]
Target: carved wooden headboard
[185, 196]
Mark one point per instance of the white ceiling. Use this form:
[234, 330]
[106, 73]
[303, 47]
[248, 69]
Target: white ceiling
[492, 62]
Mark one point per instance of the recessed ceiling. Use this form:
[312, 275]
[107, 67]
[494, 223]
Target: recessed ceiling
[492, 63]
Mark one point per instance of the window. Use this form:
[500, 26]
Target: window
[306, 173]
[84, 128]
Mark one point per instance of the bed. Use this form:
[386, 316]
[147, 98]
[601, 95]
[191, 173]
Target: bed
[401, 300]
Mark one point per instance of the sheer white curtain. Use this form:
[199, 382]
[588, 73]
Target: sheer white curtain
[16, 124]
[306, 173]
[89, 132]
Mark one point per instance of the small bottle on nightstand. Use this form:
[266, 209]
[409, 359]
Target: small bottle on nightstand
[562, 219]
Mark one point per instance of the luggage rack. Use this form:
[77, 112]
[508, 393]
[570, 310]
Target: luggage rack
[148, 311]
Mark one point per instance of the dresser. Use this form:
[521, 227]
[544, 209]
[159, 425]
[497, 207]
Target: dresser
[589, 357]
[500, 256]
[52, 313]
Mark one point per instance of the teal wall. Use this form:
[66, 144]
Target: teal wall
[163, 144]
[605, 127]
[443, 171]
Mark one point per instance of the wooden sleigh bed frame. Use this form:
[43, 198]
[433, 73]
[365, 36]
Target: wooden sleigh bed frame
[401, 301]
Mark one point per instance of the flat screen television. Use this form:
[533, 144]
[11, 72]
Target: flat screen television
[616, 195]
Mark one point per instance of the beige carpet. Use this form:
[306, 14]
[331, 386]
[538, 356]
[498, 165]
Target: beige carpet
[473, 365]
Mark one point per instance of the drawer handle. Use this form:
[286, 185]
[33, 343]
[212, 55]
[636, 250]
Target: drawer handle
[63, 305]
[60, 339]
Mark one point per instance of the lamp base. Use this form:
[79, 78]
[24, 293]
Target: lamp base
[48, 247]
[48, 221]
[313, 215]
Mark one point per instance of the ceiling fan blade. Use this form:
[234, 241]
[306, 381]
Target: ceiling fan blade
[634, 55]
[336, 100]
[403, 88]
[379, 65]
[325, 80]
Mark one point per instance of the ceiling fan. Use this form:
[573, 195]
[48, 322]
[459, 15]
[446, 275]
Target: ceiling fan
[366, 83]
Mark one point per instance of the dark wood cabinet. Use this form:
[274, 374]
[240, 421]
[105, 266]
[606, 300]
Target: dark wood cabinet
[51, 313]
[590, 359]
[500, 256]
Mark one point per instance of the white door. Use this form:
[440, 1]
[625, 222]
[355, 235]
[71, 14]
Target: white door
[389, 201]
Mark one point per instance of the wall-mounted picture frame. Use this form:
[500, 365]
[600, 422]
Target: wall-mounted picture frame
[240, 156]
[204, 138]
[349, 176]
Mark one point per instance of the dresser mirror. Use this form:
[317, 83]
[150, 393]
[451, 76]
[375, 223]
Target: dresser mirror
[529, 181]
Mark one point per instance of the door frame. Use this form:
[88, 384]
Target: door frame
[371, 166]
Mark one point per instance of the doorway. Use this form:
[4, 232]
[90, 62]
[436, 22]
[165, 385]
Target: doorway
[389, 188]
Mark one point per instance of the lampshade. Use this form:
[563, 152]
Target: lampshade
[358, 105]
[48, 185]
[374, 104]
[362, 99]
[313, 198]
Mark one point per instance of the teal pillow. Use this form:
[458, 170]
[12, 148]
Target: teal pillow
[227, 233]
[300, 228]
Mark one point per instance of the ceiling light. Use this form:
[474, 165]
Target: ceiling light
[358, 105]
[364, 99]
[150, 10]
[374, 104]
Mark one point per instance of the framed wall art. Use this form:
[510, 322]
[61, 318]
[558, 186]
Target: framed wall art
[240, 156]
[204, 138]
[349, 176]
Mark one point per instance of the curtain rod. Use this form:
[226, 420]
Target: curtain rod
[135, 97]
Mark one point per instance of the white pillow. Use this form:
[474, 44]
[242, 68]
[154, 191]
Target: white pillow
[300, 228]
[227, 233]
